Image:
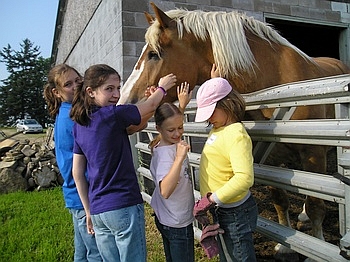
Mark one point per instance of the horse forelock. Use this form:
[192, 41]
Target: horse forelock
[224, 29]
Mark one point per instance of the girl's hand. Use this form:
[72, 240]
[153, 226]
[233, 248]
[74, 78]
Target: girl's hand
[184, 95]
[181, 149]
[90, 227]
[167, 81]
[149, 91]
[214, 72]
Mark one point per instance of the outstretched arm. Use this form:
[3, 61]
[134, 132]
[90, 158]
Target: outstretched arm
[147, 107]
[151, 104]
[136, 128]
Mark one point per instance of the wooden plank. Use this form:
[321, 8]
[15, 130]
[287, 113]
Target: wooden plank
[7, 144]
[330, 132]
[302, 243]
[313, 184]
[327, 90]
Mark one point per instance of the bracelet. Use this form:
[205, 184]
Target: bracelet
[163, 90]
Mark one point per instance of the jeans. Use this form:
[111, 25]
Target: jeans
[178, 243]
[238, 224]
[120, 234]
[85, 247]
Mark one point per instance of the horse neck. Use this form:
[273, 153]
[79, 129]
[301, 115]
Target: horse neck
[275, 64]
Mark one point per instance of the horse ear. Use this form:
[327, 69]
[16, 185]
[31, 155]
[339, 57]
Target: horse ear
[164, 20]
[150, 18]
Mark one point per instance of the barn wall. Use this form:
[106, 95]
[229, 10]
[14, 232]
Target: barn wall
[112, 32]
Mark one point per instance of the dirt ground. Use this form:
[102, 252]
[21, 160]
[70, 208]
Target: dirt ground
[265, 247]
[31, 136]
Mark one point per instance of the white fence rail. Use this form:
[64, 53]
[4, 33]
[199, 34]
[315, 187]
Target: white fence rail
[331, 132]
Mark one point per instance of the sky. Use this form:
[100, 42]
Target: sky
[32, 19]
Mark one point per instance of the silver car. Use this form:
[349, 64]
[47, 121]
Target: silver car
[29, 126]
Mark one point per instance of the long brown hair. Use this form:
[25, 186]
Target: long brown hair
[55, 80]
[163, 112]
[94, 77]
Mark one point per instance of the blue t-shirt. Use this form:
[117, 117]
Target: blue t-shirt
[105, 144]
[63, 135]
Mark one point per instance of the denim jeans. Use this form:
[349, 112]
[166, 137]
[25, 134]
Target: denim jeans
[178, 243]
[239, 224]
[85, 247]
[120, 234]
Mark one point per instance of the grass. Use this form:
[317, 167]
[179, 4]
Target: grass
[35, 226]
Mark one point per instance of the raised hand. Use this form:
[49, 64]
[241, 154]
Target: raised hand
[214, 72]
[167, 81]
[184, 95]
[149, 91]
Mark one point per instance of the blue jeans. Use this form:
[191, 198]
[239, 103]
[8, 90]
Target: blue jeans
[239, 224]
[85, 247]
[120, 234]
[178, 243]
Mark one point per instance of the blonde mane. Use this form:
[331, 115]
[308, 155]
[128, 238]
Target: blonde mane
[223, 29]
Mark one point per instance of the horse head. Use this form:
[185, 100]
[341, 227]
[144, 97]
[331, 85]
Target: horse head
[167, 52]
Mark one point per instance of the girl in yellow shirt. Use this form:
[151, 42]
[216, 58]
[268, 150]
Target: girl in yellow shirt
[226, 168]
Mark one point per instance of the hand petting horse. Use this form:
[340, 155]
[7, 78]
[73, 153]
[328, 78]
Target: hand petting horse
[252, 56]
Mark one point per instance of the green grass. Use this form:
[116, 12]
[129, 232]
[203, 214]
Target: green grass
[35, 226]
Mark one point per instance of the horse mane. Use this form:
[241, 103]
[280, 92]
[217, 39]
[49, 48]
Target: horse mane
[213, 24]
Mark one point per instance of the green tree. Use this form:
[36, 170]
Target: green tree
[21, 93]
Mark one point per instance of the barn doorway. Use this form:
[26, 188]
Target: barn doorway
[313, 39]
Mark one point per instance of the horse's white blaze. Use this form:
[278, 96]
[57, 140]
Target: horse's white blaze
[134, 76]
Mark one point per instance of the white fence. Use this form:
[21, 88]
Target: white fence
[332, 132]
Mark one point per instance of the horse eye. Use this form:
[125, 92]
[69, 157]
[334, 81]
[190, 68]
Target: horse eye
[153, 55]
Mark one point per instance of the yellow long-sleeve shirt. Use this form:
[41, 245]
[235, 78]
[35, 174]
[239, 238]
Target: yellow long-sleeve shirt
[226, 166]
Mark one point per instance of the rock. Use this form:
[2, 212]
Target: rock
[28, 151]
[28, 166]
[8, 164]
[10, 181]
[44, 177]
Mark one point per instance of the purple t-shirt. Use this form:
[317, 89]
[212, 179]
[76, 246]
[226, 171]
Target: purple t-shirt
[105, 143]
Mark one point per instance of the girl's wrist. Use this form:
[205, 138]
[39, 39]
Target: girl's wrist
[162, 89]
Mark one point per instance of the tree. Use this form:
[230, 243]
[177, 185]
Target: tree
[21, 94]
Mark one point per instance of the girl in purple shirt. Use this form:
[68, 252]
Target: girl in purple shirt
[112, 199]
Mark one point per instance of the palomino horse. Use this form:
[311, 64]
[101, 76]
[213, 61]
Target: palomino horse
[251, 55]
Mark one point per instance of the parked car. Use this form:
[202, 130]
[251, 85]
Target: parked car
[29, 126]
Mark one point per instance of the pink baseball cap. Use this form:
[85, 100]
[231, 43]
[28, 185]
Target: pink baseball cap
[208, 94]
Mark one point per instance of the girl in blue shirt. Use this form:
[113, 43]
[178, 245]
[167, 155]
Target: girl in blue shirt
[58, 93]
